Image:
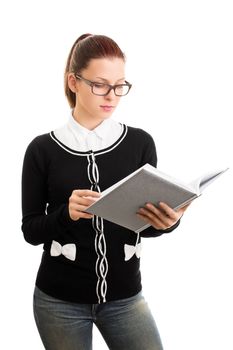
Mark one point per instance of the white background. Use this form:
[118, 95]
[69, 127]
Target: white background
[180, 64]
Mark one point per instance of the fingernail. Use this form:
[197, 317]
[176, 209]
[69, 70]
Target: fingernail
[149, 205]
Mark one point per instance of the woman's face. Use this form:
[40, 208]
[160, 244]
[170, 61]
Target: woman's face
[103, 70]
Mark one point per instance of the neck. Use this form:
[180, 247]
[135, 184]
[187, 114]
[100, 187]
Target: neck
[85, 120]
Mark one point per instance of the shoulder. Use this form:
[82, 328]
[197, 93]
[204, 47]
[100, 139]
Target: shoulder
[40, 139]
[35, 158]
[140, 135]
[38, 147]
[143, 145]
[39, 142]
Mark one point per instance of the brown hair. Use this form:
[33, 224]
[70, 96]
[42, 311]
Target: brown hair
[85, 48]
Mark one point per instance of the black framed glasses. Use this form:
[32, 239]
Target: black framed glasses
[103, 89]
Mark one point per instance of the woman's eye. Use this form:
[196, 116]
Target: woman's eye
[99, 86]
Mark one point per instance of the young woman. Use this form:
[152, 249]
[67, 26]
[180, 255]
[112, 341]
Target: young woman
[85, 275]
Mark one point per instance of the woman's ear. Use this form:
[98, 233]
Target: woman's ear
[72, 82]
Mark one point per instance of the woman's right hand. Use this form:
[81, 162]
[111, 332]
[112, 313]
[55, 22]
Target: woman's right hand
[79, 201]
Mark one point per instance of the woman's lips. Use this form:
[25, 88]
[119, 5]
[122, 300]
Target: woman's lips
[107, 108]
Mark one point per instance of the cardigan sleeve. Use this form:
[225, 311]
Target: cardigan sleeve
[150, 156]
[39, 227]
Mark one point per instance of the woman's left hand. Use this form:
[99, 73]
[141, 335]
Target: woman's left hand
[160, 218]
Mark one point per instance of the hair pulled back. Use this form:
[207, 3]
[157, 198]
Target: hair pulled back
[85, 48]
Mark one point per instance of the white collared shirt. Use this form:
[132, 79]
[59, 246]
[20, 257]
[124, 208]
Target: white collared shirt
[78, 138]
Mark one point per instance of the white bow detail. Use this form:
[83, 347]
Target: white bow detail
[68, 250]
[130, 250]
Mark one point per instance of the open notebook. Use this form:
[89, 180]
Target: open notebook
[120, 202]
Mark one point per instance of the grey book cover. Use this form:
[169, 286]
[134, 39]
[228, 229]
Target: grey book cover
[120, 202]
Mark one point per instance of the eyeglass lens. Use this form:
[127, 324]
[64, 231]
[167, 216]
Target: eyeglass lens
[102, 89]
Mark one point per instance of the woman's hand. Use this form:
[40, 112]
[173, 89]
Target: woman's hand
[79, 201]
[160, 218]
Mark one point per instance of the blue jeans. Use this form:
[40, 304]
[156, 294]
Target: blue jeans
[125, 324]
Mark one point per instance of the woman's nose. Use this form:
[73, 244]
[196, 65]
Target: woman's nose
[110, 95]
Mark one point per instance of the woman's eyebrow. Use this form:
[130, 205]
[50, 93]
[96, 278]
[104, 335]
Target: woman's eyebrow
[107, 81]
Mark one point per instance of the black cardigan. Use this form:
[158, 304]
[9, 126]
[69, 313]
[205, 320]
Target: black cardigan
[51, 171]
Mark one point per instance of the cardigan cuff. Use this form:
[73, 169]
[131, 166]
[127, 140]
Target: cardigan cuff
[153, 232]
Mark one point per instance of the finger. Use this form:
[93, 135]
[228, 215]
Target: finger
[76, 215]
[155, 216]
[87, 193]
[183, 209]
[166, 217]
[85, 201]
[85, 215]
[78, 207]
[155, 222]
[168, 210]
